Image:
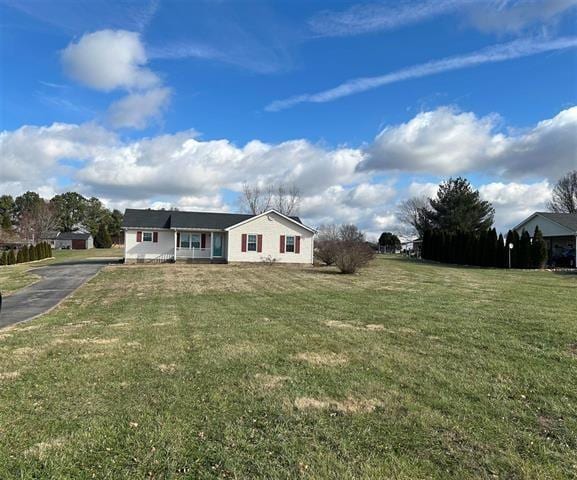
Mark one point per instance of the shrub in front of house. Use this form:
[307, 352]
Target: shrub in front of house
[353, 255]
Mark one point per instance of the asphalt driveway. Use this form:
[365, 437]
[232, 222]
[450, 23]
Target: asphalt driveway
[57, 282]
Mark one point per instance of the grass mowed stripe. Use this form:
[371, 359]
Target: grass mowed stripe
[409, 370]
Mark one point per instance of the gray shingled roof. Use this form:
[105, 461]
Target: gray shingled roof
[73, 236]
[134, 218]
[568, 220]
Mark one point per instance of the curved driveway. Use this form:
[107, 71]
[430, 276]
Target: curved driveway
[57, 282]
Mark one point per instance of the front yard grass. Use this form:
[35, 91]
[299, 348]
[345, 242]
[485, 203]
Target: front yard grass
[408, 370]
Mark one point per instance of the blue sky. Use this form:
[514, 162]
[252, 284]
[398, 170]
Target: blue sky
[177, 103]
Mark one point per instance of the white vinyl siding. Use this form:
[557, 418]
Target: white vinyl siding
[271, 227]
[141, 251]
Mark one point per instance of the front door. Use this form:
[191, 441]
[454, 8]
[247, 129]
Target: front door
[217, 244]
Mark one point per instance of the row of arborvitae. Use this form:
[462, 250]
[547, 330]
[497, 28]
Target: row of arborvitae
[26, 254]
[485, 249]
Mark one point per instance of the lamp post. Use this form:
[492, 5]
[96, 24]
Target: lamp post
[510, 248]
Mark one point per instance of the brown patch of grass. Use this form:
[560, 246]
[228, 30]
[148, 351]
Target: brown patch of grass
[329, 359]
[117, 325]
[270, 382]
[349, 405]
[572, 349]
[169, 369]
[338, 324]
[41, 449]
[9, 375]
[22, 351]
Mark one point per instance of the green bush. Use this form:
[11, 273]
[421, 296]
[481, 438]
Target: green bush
[4, 258]
[102, 238]
[19, 257]
[538, 250]
[11, 257]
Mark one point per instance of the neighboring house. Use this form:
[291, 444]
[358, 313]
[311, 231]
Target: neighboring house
[50, 238]
[74, 241]
[161, 235]
[559, 231]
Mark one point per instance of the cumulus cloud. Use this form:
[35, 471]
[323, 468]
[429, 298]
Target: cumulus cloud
[109, 59]
[136, 110]
[445, 141]
[515, 201]
[337, 184]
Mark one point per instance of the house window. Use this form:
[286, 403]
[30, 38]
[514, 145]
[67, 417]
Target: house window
[289, 244]
[251, 243]
[147, 236]
[195, 240]
[184, 240]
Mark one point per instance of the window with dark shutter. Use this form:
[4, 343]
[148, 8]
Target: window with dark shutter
[243, 242]
[139, 236]
[282, 244]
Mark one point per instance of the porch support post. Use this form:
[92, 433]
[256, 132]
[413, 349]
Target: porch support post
[211, 245]
[175, 234]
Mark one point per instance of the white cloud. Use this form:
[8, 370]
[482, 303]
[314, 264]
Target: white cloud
[136, 110]
[516, 15]
[373, 17]
[445, 141]
[109, 59]
[185, 171]
[515, 201]
[485, 15]
[492, 54]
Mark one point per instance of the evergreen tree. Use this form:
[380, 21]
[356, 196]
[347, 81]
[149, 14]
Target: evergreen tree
[4, 258]
[25, 255]
[38, 252]
[492, 248]
[19, 257]
[524, 254]
[501, 260]
[538, 250]
[32, 253]
[458, 207]
[49, 250]
[103, 240]
[11, 257]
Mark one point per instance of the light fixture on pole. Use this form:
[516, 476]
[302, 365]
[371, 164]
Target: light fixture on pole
[510, 248]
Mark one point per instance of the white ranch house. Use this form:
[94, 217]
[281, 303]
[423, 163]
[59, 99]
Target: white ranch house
[560, 233]
[164, 236]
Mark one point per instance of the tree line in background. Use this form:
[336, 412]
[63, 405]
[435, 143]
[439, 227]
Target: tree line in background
[485, 249]
[27, 253]
[30, 217]
[457, 227]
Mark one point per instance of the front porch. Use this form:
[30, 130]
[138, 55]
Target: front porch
[195, 246]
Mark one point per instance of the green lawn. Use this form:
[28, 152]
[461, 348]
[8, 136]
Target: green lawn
[408, 370]
[15, 277]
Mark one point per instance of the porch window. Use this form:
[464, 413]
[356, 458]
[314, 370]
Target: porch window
[189, 240]
[184, 240]
[289, 244]
[147, 236]
[251, 243]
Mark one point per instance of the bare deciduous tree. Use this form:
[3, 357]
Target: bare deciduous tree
[564, 197]
[286, 199]
[35, 223]
[410, 213]
[351, 233]
[256, 199]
